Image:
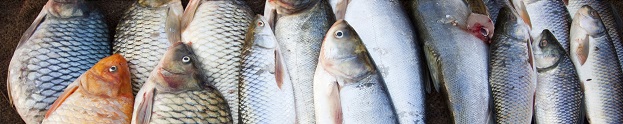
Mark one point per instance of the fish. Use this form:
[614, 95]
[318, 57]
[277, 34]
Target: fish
[456, 59]
[215, 30]
[494, 6]
[175, 92]
[103, 94]
[617, 12]
[512, 76]
[65, 40]
[345, 64]
[257, 6]
[606, 14]
[144, 33]
[300, 28]
[559, 96]
[385, 29]
[594, 56]
[266, 94]
[550, 15]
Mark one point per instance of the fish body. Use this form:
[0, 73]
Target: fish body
[266, 94]
[457, 60]
[595, 59]
[300, 28]
[215, 30]
[175, 92]
[144, 34]
[511, 74]
[559, 96]
[551, 15]
[494, 6]
[103, 94]
[64, 41]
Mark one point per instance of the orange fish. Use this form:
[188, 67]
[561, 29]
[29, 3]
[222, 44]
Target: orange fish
[103, 94]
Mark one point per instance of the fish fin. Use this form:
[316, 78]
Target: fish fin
[326, 97]
[523, 13]
[35, 24]
[340, 9]
[143, 104]
[172, 26]
[428, 81]
[436, 76]
[59, 101]
[189, 13]
[270, 13]
[583, 49]
[279, 70]
[481, 26]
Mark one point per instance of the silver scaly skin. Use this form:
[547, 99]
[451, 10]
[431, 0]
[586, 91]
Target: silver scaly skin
[266, 94]
[66, 39]
[144, 33]
[457, 60]
[559, 96]
[494, 6]
[551, 15]
[512, 77]
[299, 30]
[215, 30]
[594, 56]
[608, 19]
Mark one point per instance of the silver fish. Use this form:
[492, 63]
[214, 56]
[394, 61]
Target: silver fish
[606, 14]
[175, 92]
[551, 15]
[511, 73]
[266, 94]
[144, 33]
[215, 30]
[457, 59]
[558, 97]
[494, 6]
[345, 64]
[595, 59]
[300, 28]
[65, 40]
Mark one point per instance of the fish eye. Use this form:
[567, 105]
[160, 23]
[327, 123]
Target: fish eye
[339, 34]
[543, 43]
[186, 59]
[260, 23]
[112, 69]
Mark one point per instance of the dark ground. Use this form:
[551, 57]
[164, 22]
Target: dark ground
[17, 15]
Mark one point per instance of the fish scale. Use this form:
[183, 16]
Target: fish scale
[216, 35]
[191, 106]
[58, 52]
[551, 15]
[142, 39]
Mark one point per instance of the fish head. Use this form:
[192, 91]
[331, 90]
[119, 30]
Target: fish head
[510, 24]
[547, 51]
[292, 6]
[260, 34]
[344, 55]
[589, 21]
[67, 8]
[109, 77]
[176, 69]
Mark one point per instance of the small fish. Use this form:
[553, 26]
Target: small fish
[175, 92]
[347, 86]
[66, 39]
[595, 58]
[559, 96]
[103, 95]
[551, 15]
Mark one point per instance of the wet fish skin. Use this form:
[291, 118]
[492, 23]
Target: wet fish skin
[595, 59]
[494, 6]
[103, 94]
[215, 30]
[300, 34]
[175, 92]
[61, 44]
[457, 60]
[144, 33]
[559, 96]
[551, 15]
[266, 94]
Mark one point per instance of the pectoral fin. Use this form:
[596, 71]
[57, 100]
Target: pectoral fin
[143, 104]
[326, 98]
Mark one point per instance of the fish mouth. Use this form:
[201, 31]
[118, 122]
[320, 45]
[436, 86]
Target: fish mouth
[166, 73]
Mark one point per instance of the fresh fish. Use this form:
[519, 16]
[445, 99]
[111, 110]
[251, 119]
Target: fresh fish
[551, 15]
[345, 64]
[266, 94]
[64, 41]
[457, 59]
[594, 57]
[144, 34]
[215, 30]
[175, 92]
[300, 28]
[558, 97]
[494, 6]
[387, 32]
[512, 77]
[617, 12]
[606, 14]
[103, 94]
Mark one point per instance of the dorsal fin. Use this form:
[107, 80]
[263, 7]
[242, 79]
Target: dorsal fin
[174, 17]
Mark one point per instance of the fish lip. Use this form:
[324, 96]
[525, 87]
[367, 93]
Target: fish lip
[166, 73]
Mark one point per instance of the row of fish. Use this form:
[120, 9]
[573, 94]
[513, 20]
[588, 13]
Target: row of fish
[214, 63]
